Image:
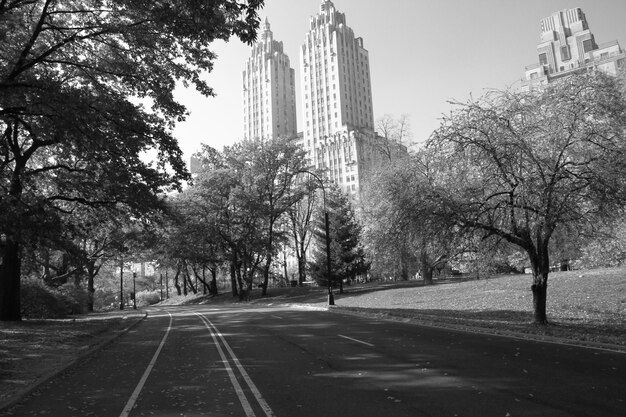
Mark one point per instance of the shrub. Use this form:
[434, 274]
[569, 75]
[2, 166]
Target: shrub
[146, 298]
[75, 298]
[106, 299]
[40, 301]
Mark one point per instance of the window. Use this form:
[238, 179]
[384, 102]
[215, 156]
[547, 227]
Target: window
[565, 53]
[588, 45]
[543, 59]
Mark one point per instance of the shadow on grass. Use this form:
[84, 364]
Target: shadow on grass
[506, 321]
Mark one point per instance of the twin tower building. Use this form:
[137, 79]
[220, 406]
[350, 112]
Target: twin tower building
[338, 119]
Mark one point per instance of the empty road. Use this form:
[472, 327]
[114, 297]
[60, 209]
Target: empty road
[273, 361]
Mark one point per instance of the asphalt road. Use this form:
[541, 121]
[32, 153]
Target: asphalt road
[202, 361]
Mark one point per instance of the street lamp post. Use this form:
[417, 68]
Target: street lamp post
[161, 285]
[123, 250]
[122, 282]
[331, 297]
[134, 292]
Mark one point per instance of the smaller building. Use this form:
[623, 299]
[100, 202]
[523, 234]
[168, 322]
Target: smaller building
[566, 47]
[350, 155]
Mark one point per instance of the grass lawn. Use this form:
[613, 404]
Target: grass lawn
[582, 305]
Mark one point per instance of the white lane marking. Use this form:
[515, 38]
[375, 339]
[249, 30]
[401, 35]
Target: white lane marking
[255, 391]
[356, 340]
[133, 398]
[231, 374]
[276, 317]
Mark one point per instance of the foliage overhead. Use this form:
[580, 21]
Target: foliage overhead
[75, 80]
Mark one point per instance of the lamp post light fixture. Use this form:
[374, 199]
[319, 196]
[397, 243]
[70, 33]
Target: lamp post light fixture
[122, 282]
[331, 297]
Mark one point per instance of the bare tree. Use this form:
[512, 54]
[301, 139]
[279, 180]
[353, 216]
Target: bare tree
[393, 134]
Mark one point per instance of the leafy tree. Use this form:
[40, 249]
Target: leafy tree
[522, 165]
[70, 134]
[225, 200]
[271, 166]
[300, 219]
[403, 224]
[194, 241]
[608, 249]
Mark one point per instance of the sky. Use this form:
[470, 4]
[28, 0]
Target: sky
[423, 54]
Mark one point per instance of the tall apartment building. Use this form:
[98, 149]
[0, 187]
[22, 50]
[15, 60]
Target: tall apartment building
[567, 46]
[269, 92]
[338, 116]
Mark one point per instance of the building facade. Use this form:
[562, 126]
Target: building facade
[269, 92]
[567, 46]
[338, 116]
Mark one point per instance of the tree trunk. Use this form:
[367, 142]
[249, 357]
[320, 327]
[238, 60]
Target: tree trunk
[213, 285]
[233, 279]
[301, 269]
[404, 270]
[240, 283]
[427, 275]
[539, 289]
[91, 274]
[285, 266]
[301, 255]
[10, 262]
[266, 274]
[10, 275]
[540, 264]
[176, 284]
[427, 269]
[205, 284]
[188, 281]
[268, 260]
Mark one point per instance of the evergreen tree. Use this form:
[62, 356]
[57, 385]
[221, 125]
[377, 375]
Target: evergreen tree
[346, 253]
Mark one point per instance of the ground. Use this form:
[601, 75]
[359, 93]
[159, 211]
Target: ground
[32, 350]
[584, 307]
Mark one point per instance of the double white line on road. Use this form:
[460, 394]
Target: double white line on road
[133, 398]
[217, 338]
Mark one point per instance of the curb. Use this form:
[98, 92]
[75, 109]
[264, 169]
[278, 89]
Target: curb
[35, 384]
[481, 330]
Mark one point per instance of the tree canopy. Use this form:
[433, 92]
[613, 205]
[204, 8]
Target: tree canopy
[74, 129]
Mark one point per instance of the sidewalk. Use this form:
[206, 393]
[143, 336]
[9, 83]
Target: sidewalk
[32, 351]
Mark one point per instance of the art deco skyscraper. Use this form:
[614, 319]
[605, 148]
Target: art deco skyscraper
[338, 116]
[335, 77]
[567, 46]
[269, 94]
